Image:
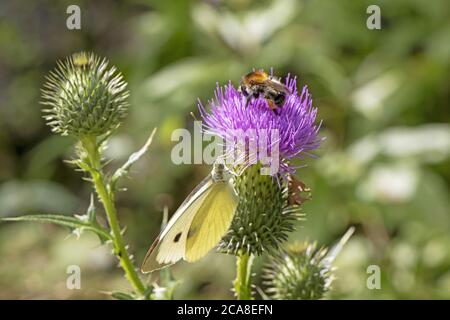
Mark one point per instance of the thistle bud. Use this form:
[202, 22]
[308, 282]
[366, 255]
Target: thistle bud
[84, 96]
[299, 274]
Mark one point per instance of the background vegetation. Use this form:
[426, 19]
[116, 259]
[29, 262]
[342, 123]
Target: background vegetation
[383, 96]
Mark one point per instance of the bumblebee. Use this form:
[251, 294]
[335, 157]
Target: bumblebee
[259, 84]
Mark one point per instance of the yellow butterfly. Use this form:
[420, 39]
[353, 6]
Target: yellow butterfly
[198, 224]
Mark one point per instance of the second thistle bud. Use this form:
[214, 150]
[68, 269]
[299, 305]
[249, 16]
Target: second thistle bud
[299, 274]
[84, 96]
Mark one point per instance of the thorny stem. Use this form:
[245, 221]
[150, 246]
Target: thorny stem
[106, 197]
[243, 284]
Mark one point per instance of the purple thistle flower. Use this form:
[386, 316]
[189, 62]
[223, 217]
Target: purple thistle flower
[294, 121]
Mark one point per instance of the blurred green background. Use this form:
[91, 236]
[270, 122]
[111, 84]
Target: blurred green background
[382, 94]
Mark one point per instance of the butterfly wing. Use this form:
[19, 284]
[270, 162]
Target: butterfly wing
[170, 245]
[212, 221]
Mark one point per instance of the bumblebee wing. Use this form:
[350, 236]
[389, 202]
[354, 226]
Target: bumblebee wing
[212, 221]
[170, 245]
[278, 86]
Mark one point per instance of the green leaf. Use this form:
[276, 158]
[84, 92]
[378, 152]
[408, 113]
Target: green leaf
[168, 285]
[90, 218]
[119, 295]
[125, 168]
[337, 248]
[66, 221]
[91, 212]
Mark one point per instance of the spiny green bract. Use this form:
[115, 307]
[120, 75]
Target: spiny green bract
[298, 274]
[263, 218]
[84, 96]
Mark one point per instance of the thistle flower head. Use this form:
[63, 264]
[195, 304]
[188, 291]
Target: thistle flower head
[294, 122]
[299, 274]
[84, 96]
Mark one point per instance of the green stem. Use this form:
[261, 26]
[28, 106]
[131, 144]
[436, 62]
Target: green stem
[106, 196]
[243, 284]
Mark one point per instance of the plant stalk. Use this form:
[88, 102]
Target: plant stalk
[243, 284]
[106, 197]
